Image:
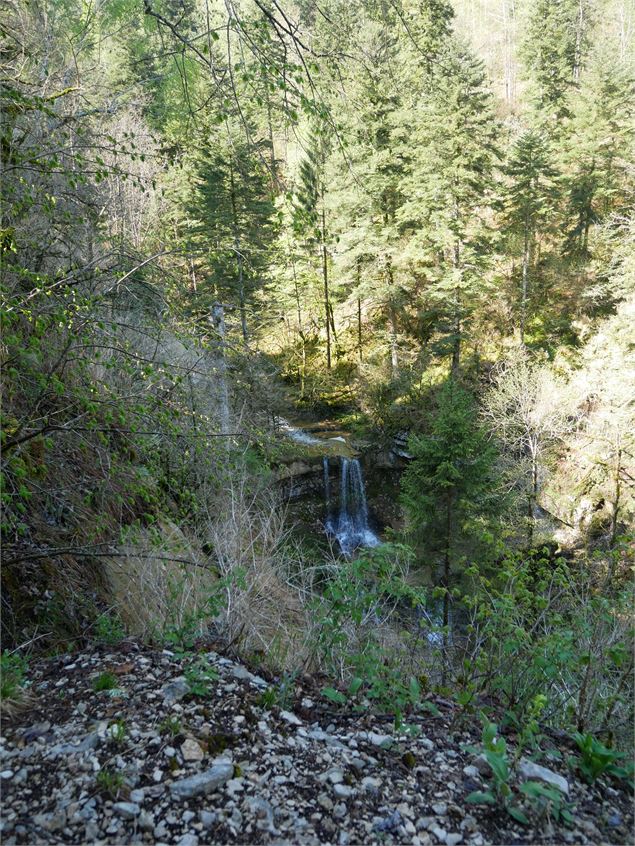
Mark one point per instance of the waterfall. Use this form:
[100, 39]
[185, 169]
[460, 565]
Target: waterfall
[350, 525]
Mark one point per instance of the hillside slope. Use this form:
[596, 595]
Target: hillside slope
[217, 758]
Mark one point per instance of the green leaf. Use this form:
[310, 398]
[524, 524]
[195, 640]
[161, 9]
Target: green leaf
[355, 685]
[431, 708]
[481, 797]
[517, 814]
[334, 695]
[498, 765]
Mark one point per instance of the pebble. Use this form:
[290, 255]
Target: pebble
[529, 770]
[207, 818]
[343, 791]
[202, 783]
[191, 751]
[127, 810]
[146, 821]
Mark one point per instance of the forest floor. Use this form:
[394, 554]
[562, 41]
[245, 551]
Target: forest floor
[157, 759]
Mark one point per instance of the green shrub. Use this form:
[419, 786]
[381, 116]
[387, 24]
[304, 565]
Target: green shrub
[542, 627]
[363, 599]
[13, 669]
[596, 759]
[105, 681]
[110, 782]
[109, 629]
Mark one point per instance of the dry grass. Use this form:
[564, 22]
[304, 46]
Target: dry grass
[267, 586]
[151, 588]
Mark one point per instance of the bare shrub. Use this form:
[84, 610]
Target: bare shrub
[266, 584]
[160, 582]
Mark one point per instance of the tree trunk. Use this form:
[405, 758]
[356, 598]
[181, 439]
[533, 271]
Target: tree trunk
[218, 321]
[446, 585]
[579, 34]
[239, 256]
[525, 287]
[508, 13]
[392, 316]
[327, 305]
[301, 333]
[617, 489]
[456, 343]
[533, 497]
[359, 330]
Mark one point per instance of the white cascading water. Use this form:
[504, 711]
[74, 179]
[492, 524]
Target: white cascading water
[349, 525]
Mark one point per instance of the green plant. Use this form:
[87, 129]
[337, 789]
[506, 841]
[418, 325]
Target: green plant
[13, 669]
[545, 634]
[109, 629]
[117, 731]
[596, 759]
[105, 681]
[198, 675]
[547, 800]
[110, 782]
[531, 796]
[348, 640]
[171, 725]
[494, 749]
[280, 695]
[529, 734]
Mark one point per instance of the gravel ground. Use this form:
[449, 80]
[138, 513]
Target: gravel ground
[152, 762]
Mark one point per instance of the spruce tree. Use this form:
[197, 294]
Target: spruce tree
[554, 49]
[232, 221]
[530, 203]
[447, 487]
[310, 223]
[447, 191]
[599, 149]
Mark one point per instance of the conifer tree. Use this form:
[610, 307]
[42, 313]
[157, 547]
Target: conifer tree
[310, 223]
[448, 189]
[530, 202]
[447, 487]
[233, 222]
[599, 149]
[554, 49]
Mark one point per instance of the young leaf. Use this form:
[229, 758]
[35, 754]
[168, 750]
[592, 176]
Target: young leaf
[517, 814]
[334, 695]
[480, 797]
[355, 685]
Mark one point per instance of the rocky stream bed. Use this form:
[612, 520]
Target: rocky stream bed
[151, 762]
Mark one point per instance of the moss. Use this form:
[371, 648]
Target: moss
[409, 760]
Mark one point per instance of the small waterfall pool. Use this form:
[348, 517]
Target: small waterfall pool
[347, 519]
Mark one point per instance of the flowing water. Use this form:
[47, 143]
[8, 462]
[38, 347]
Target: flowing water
[348, 520]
